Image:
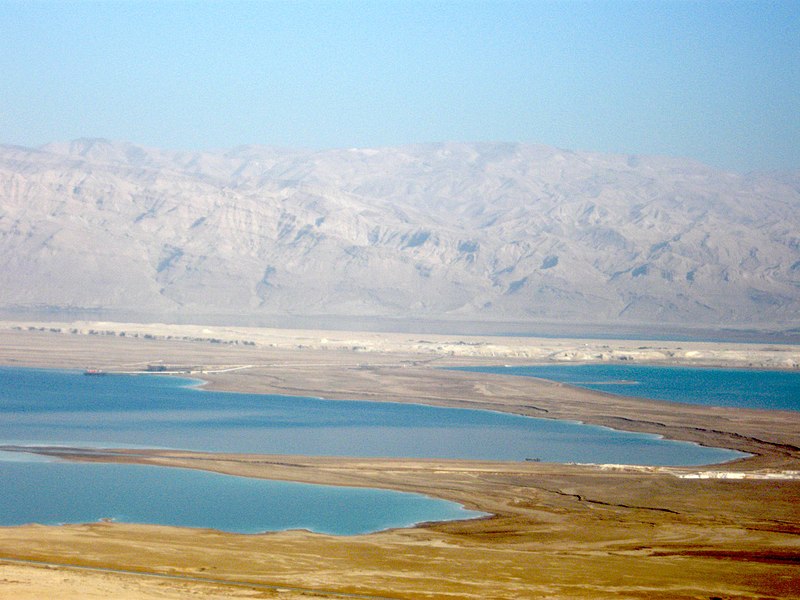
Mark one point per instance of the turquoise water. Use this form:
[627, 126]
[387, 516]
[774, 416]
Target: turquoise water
[60, 407]
[67, 408]
[53, 493]
[741, 388]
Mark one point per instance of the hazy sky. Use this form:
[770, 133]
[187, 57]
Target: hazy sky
[715, 81]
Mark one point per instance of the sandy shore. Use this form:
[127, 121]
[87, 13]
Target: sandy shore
[559, 531]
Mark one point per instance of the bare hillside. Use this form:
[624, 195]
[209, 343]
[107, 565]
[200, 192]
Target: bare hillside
[497, 232]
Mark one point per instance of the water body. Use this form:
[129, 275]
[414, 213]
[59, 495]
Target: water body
[53, 493]
[62, 407]
[740, 388]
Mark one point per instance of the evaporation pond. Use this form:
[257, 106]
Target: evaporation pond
[63, 407]
[55, 492]
[740, 388]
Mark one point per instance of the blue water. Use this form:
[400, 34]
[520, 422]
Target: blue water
[52, 493]
[740, 388]
[61, 407]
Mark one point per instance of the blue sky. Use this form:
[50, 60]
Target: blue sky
[715, 81]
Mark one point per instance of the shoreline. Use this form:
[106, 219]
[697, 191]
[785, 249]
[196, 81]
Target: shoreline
[559, 530]
[315, 364]
[770, 440]
[207, 384]
[159, 460]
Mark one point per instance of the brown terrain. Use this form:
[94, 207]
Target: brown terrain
[556, 530]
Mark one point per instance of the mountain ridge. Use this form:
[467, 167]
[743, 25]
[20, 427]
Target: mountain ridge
[469, 231]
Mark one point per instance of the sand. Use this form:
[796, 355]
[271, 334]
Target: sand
[558, 531]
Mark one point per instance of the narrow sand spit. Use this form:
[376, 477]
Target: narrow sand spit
[558, 531]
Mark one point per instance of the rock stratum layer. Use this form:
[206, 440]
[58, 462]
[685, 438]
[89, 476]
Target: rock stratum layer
[486, 232]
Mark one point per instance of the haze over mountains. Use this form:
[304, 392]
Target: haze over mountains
[482, 232]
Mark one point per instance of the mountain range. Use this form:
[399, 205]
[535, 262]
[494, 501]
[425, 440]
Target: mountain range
[486, 232]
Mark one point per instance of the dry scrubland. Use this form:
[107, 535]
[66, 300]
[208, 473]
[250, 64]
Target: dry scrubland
[558, 531]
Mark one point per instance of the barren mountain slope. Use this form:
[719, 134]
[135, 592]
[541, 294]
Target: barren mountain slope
[471, 231]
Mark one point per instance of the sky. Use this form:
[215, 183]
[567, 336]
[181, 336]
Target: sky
[717, 82]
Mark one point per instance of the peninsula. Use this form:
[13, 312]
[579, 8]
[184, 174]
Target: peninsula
[557, 530]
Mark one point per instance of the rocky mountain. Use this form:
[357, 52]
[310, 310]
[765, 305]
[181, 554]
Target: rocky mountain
[493, 232]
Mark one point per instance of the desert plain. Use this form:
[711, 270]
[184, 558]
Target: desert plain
[555, 530]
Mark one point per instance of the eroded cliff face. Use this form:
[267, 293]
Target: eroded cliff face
[469, 231]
